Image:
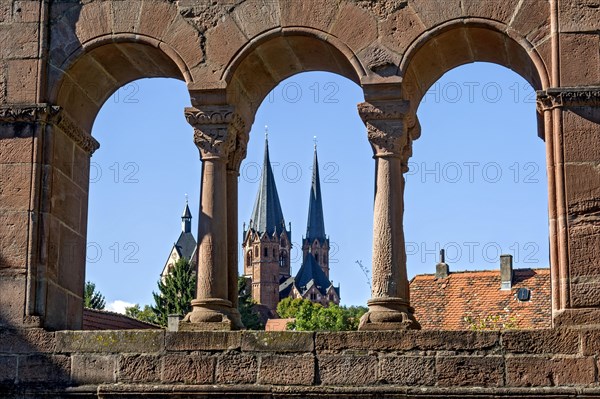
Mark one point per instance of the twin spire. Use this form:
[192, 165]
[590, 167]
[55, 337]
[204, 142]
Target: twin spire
[267, 216]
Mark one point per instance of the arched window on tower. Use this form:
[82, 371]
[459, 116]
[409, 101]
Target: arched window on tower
[274, 253]
[256, 252]
[266, 252]
[249, 258]
[317, 257]
[283, 259]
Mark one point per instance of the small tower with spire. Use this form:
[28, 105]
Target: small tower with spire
[186, 218]
[316, 241]
[266, 241]
[185, 246]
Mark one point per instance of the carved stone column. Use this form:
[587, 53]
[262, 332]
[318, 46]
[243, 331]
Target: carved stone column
[215, 130]
[387, 128]
[236, 156]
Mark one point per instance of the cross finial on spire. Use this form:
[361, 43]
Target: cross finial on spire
[266, 132]
[186, 199]
[315, 141]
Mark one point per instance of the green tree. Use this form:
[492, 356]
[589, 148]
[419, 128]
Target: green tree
[250, 317]
[175, 294]
[146, 314]
[93, 299]
[316, 317]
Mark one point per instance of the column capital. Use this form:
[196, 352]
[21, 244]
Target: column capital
[215, 129]
[53, 115]
[568, 97]
[387, 123]
[239, 151]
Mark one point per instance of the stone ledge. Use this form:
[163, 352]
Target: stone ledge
[124, 341]
[286, 341]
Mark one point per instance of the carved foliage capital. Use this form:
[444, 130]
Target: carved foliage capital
[387, 124]
[215, 130]
[564, 97]
[28, 113]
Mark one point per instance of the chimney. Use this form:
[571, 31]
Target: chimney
[506, 271]
[441, 269]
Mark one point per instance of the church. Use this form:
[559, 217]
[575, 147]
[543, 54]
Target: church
[184, 247]
[267, 245]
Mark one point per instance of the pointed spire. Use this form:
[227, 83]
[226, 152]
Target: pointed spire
[315, 229]
[267, 216]
[186, 218]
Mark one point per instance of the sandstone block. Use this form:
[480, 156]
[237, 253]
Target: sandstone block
[12, 300]
[355, 27]
[26, 341]
[590, 342]
[348, 369]
[580, 59]
[286, 341]
[315, 13]
[26, 11]
[203, 341]
[125, 341]
[8, 369]
[400, 29]
[46, 369]
[93, 369]
[15, 181]
[222, 42]
[580, 138]
[138, 368]
[18, 41]
[579, 16]
[501, 11]
[533, 20]
[92, 20]
[407, 370]
[434, 12]
[541, 341]
[13, 238]
[255, 17]
[287, 370]
[190, 369]
[126, 16]
[236, 369]
[22, 81]
[538, 371]
[16, 141]
[155, 17]
[470, 371]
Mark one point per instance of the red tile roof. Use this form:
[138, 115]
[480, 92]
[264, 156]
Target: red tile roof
[105, 320]
[444, 303]
[277, 324]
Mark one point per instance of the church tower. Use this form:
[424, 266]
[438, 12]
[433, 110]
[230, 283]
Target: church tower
[315, 241]
[266, 242]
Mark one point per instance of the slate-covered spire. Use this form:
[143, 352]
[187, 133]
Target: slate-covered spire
[315, 229]
[186, 218]
[267, 216]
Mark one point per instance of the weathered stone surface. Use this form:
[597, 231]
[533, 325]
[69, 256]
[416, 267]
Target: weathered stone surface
[434, 12]
[203, 341]
[13, 239]
[580, 138]
[498, 10]
[48, 369]
[538, 371]
[255, 17]
[590, 342]
[541, 341]
[222, 42]
[347, 369]
[14, 186]
[470, 371]
[286, 341]
[236, 369]
[287, 370]
[533, 20]
[400, 29]
[409, 340]
[579, 16]
[91, 20]
[19, 41]
[93, 369]
[583, 187]
[139, 368]
[126, 16]
[15, 143]
[26, 341]
[190, 369]
[12, 288]
[355, 27]
[580, 59]
[8, 369]
[316, 13]
[132, 341]
[407, 370]
[22, 81]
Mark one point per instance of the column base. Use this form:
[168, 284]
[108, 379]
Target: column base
[211, 314]
[388, 314]
[236, 319]
[586, 318]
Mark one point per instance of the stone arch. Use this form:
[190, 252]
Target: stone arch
[457, 42]
[277, 54]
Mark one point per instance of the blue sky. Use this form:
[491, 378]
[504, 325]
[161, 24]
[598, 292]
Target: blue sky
[477, 184]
